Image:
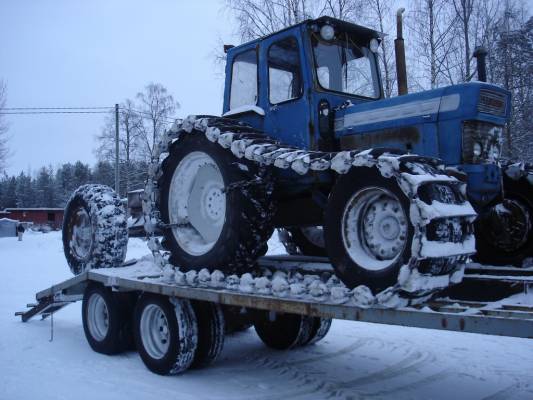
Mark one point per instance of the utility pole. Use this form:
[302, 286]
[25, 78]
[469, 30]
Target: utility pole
[117, 175]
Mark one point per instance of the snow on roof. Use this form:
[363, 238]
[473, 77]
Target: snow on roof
[8, 220]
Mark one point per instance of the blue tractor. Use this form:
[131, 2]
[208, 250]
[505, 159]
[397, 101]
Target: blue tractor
[387, 189]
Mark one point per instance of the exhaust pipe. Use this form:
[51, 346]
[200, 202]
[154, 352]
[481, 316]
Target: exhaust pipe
[401, 69]
[481, 55]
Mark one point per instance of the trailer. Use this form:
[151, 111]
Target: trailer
[175, 326]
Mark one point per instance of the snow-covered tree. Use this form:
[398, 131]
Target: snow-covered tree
[25, 191]
[511, 62]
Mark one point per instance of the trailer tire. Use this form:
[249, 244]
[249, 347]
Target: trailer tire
[235, 321]
[106, 320]
[95, 232]
[228, 222]
[352, 242]
[166, 333]
[320, 329]
[285, 332]
[211, 329]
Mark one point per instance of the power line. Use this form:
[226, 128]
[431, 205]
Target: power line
[55, 108]
[51, 112]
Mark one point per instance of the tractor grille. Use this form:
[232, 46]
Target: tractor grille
[491, 103]
[488, 137]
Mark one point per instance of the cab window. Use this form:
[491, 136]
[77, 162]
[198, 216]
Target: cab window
[244, 80]
[284, 76]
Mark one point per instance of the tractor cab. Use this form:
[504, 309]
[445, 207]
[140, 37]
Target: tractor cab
[286, 84]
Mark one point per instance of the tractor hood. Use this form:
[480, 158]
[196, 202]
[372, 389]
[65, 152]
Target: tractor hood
[416, 122]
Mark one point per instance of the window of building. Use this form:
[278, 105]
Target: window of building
[244, 80]
[284, 77]
[51, 217]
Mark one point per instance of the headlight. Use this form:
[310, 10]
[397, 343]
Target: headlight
[374, 45]
[482, 142]
[477, 149]
[327, 32]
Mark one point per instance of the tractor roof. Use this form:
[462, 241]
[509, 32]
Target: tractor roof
[335, 22]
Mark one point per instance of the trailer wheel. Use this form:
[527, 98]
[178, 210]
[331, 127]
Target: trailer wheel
[236, 321]
[320, 329]
[307, 241]
[166, 334]
[283, 331]
[218, 209]
[211, 328]
[95, 232]
[367, 228]
[106, 320]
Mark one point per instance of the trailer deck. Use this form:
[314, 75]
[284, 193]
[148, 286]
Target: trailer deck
[445, 314]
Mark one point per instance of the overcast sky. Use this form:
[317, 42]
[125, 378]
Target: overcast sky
[65, 53]
[78, 53]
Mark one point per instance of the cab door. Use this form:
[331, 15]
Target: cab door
[286, 104]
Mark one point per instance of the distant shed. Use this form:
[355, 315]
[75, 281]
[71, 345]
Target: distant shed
[8, 227]
[53, 217]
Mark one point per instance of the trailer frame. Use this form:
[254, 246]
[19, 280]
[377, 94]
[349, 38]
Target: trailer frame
[443, 314]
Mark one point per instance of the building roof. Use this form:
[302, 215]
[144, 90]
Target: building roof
[34, 209]
[8, 220]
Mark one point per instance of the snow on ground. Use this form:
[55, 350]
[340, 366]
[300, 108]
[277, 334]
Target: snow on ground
[355, 361]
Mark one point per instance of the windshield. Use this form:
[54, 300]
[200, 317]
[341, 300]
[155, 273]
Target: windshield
[343, 66]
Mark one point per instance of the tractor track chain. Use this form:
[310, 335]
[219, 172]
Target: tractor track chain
[441, 215]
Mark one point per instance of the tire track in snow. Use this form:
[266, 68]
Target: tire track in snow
[507, 392]
[266, 361]
[411, 363]
[438, 376]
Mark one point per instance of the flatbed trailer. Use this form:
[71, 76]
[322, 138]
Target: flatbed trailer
[444, 314]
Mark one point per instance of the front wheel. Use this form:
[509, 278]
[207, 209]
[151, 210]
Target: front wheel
[367, 230]
[504, 234]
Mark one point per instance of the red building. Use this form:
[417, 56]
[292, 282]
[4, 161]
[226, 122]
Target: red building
[52, 217]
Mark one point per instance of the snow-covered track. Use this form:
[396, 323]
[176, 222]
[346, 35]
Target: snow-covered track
[480, 317]
[442, 218]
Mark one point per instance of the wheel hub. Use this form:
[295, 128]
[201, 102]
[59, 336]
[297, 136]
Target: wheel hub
[81, 239]
[374, 228]
[155, 332]
[197, 203]
[384, 228]
[97, 317]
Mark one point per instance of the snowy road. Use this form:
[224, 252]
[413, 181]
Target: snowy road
[355, 361]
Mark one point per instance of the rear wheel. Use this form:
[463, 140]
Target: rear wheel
[166, 334]
[216, 218]
[211, 333]
[367, 229]
[320, 329]
[283, 331]
[236, 319]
